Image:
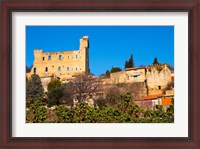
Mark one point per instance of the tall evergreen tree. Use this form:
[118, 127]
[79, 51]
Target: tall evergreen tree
[107, 73]
[155, 62]
[34, 88]
[130, 62]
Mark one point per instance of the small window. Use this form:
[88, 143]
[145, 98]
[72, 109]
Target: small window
[135, 77]
[76, 56]
[68, 57]
[59, 69]
[159, 87]
[60, 57]
[46, 69]
[49, 58]
[43, 58]
[76, 68]
[34, 70]
[67, 68]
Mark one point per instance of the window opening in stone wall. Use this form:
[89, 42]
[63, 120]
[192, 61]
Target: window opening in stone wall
[49, 58]
[43, 58]
[46, 69]
[59, 69]
[60, 57]
[135, 77]
[34, 70]
[76, 68]
[67, 68]
[76, 56]
[159, 87]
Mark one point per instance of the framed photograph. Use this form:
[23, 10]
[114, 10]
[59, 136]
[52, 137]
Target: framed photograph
[100, 74]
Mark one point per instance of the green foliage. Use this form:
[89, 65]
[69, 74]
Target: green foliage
[83, 113]
[54, 96]
[53, 85]
[37, 113]
[101, 102]
[115, 69]
[124, 110]
[34, 89]
[63, 114]
[157, 116]
[129, 63]
[155, 62]
[107, 73]
[40, 115]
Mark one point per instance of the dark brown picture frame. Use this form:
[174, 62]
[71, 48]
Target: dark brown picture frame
[9, 6]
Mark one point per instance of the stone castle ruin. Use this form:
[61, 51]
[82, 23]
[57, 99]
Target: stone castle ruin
[63, 65]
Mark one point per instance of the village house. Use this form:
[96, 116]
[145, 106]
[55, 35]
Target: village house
[151, 101]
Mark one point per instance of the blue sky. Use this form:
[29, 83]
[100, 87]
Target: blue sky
[110, 46]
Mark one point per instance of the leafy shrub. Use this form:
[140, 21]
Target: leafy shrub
[53, 85]
[54, 96]
[37, 113]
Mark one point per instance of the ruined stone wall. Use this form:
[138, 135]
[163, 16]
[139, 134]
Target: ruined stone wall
[62, 64]
[157, 80]
[117, 77]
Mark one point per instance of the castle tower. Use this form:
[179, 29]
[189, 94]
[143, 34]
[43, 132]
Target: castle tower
[37, 55]
[84, 48]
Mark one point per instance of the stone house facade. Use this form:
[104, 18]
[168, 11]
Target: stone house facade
[130, 75]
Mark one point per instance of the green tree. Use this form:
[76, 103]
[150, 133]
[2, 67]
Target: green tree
[34, 88]
[54, 96]
[130, 62]
[53, 85]
[155, 62]
[115, 69]
[107, 73]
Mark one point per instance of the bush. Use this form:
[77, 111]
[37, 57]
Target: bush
[37, 113]
[54, 96]
[53, 85]
[40, 115]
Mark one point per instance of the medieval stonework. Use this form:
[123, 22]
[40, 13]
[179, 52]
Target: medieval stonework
[158, 80]
[155, 79]
[63, 65]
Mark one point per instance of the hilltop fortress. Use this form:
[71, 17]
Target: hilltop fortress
[63, 65]
[67, 64]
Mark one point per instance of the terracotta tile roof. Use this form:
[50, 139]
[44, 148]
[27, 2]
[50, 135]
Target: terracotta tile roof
[149, 97]
[166, 101]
